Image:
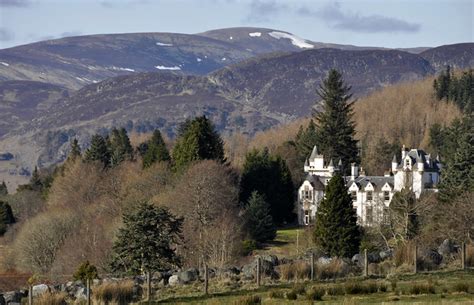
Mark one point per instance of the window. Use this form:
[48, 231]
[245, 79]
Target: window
[307, 218]
[369, 196]
[354, 195]
[386, 195]
[407, 162]
[307, 193]
[369, 214]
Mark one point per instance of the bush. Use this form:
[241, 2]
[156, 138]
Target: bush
[291, 295]
[302, 270]
[286, 272]
[460, 287]
[275, 294]
[119, 292]
[383, 287]
[353, 288]
[248, 246]
[422, 289]
[51, 299]
[393, 285]
[371, 287]
[335, 290]
[336, 268]
[404, 254]
[299, 289]
[85, 271]
[249, 300]
[315, 294]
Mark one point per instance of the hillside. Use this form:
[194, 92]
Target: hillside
[458, 56]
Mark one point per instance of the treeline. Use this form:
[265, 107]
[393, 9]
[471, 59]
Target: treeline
[459, 89]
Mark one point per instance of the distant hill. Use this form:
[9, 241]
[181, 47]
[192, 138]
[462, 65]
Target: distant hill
[458, 56]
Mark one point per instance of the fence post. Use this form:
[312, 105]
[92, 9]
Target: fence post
[30, 295]
[312, 266]
[366, 264]
[206, 279]
[258, 271]
[88, 292]
[415, 259]
[463, 256]
[148, 287]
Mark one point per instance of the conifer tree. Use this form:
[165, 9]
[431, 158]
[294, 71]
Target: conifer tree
[270, 176]
[119, 147]
[36, 183]
[156, 150]
[147, 241]
[6, 217]
[458, 173]
[336, 231]
[3, 189]
[198, 140]
[335, 129]
[75, 150]
[305, 140]
[98, 151]
[258, 221]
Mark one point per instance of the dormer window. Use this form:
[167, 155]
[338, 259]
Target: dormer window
[407, 162]
[369, 195]
[386, 195]
[354, 195]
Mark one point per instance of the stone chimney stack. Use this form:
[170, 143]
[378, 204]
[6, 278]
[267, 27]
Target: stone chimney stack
[354, 171]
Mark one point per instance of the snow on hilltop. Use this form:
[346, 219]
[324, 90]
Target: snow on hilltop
[295, 40]
[255, 34]
[168, 68]
[162, 44]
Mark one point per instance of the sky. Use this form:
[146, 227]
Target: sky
[384, 23]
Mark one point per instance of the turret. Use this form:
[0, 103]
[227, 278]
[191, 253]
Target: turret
[404, 152]
[331, 166]
[394, 164]
[354, 171]
[420, 164]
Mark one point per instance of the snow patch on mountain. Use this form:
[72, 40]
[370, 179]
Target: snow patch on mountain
[4, 63]
[122, 69]
[255, 34]
[174, 68]
[295, 40]
[162, 44]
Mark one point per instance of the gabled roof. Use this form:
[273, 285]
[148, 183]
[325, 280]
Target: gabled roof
[377, 181]
[315, 182]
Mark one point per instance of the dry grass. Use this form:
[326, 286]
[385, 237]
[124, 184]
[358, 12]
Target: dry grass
[295, 271]
[51, 299]
[404, 254]
[118, 292]
[336, 268]
[470, 255]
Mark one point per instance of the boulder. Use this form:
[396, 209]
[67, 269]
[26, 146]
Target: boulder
[430, 258]
[324, 260]
[386, 254]
[448, 248]
[272, 259]
[188, 276]
[40, 289]
[249, 271]
[229, 272]
[81, 294]
[12, 297]
[173, 280]
[357, 258]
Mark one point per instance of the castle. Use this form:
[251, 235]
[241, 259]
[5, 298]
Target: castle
[371, 195]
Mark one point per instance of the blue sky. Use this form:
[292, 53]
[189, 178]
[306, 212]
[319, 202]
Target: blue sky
[389, 23]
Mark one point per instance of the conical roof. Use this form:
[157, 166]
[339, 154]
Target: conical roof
[314, 153]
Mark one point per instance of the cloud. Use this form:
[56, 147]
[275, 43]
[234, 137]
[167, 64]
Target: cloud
[6, 34]
[336, 18]
[263, 11]
[14, 3]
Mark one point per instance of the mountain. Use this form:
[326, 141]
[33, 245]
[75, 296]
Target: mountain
[73, 62]
[458, 56]
[250, 96]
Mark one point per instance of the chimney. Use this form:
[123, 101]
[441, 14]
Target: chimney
[404, 152]
[354, 171]
[394, 164]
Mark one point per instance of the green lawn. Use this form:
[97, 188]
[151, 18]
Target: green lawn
[443, 283]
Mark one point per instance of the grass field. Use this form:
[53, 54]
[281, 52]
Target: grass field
[455, 287]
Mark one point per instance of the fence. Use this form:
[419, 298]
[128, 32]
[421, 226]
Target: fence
[309, 261]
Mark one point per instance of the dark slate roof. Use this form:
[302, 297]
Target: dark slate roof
[377, 181]
[315, 182]
[419, 156]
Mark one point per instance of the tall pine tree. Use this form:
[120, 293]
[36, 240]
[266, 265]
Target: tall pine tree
[270, 176]
[119, 147]
[336, 231]
[3, 189]
[198, 140]
[98, 151]
[156, 150]
[6, 217]
[258, 221]
[335, 129]
[305, 140]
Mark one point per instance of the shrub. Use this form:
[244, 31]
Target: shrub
[249, 300]
[299, 289]
[404, 254]
[119, 292]
[422, 288]
[315, 294]
[286, 272]
[383, 287]
[460, 287]
[371, 287]
[302, 270]
[275, 294]
[353, 288]
[336, 268]
[393, 285]
[85, 271]
[335, 290]
[291, 295]
[51, 299]
[248, 246]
